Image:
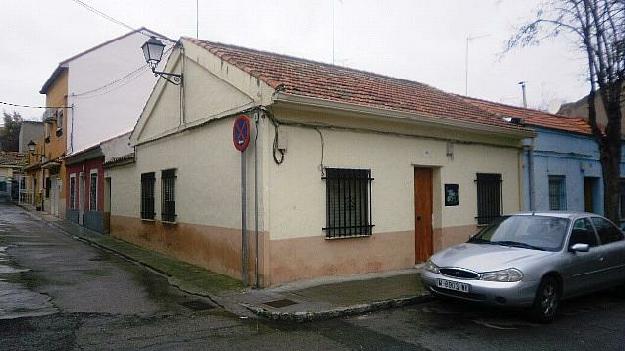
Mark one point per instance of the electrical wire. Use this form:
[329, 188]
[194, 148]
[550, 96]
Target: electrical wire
[30, 106]
[112, 19]
[103, 15]
[278, 155]
[128, 77]
[112, 82]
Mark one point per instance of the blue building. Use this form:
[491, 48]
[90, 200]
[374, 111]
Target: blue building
[561, 164]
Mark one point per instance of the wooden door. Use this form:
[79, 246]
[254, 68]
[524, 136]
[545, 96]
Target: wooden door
[423, 213]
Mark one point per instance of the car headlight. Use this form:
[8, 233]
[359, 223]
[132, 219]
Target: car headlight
[506, 275]
[431, 267]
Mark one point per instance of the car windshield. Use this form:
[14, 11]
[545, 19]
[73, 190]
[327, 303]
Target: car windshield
[530, 232]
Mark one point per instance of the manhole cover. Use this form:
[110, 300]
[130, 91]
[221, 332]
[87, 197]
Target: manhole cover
[197, 305]
[280, 303]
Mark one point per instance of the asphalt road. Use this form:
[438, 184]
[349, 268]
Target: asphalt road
[57, 293]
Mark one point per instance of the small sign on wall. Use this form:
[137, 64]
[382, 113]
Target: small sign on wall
[452, 195]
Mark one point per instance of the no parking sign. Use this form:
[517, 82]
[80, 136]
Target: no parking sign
[241, 133]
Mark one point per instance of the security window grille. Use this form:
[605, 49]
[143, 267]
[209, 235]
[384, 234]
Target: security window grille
[93, 192]
[72, 193]
[622, 199]
[488, 197]
[168, 195]
[48, 186]
[557, 193]
[348, 202]
[147, 195]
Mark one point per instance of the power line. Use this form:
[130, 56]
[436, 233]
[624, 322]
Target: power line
[30, 106]
[103, 15]
[129, 77]
[113, 19]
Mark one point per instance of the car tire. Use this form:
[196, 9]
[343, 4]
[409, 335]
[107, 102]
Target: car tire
[547, 301]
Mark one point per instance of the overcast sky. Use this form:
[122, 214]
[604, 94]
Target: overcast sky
[422, 40]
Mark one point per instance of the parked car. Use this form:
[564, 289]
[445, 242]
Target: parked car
[531, 260]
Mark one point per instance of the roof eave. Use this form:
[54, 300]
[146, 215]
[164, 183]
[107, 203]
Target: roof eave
[400, 115]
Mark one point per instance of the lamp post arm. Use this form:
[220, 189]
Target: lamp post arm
[170, 77]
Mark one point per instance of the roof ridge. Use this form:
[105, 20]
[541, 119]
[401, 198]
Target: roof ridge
[521, 108]
[305, 60]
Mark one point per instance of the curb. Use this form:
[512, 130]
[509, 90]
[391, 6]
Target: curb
[353, 310]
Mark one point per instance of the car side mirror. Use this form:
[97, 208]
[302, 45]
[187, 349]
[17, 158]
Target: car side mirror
[580, 247]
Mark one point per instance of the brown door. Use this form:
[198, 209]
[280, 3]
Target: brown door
[423, 213]
[588, 198]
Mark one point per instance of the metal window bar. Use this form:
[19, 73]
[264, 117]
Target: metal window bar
[488, 197]
[557, 193]
[72, 193]
[168, 195]
[93, 192]
[348, 202]
[147, 195]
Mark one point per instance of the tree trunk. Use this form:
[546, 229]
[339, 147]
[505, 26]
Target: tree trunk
[610, 154]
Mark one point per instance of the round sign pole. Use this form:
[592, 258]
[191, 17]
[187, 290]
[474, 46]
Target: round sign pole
[241, 140]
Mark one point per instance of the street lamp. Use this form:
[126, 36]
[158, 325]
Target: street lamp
[31, 147]
[153, 52]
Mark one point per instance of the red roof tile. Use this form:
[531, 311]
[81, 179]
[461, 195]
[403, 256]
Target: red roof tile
[312, 79]
[12, 159]
[534, 117]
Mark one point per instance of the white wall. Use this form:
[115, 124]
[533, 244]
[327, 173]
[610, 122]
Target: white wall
[106, 113]
[297, 192]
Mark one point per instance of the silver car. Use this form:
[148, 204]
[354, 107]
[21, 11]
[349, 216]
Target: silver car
[531, 260]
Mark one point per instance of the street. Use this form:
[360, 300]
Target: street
[58, 293]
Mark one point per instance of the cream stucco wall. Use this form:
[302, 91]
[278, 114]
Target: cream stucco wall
[297, 192]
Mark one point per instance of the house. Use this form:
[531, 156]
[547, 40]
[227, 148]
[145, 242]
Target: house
[11, 164]
[29, 130]
[579, 108]
[93, 96]
[88, 200]
[562, 168]
[346, 171]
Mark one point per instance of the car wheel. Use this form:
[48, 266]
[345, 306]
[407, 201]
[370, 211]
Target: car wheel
[547, 300]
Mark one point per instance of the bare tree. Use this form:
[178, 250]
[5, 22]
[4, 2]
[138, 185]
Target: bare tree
[598, 27]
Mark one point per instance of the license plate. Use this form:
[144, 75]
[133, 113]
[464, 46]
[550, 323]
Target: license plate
[452, 285]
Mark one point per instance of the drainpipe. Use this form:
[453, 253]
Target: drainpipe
[528, 145]
[256, 118]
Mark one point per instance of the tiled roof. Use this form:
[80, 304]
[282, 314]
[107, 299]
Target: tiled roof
[300, 77]
[534, 117]
[9, 158]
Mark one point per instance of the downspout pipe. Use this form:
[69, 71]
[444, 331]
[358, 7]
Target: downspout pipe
[256, 119]
[528, 145]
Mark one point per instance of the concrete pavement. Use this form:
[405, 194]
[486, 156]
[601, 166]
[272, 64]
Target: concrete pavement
[302, 301]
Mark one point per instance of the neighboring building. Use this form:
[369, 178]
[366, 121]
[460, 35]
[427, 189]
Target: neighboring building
[356, 172]
[29, 131]
[104, 89]
[88, 200]
[11, 164]
[562, 170]
[579, 108]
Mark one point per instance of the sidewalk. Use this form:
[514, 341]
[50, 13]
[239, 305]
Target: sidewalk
[301, 301]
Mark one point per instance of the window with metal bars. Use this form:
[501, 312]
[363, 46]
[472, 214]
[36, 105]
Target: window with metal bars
[622, 199]
[147, 195]
[168, 195]
[93, 192]
[488, 197]
[557, 193]
[72, 192]
[348, 202]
